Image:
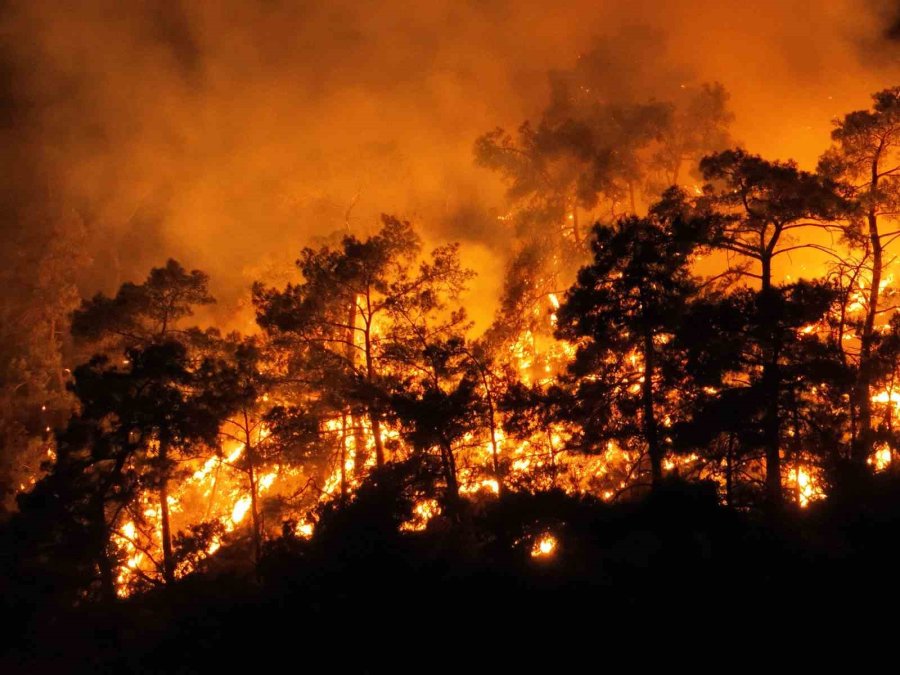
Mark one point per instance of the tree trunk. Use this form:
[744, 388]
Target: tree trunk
[374, 415]
[104, 564]
[770, 386]
[552, 456]
[254, 512]
[448, 461]
[343, 458]
[359, 437]
[254, 516]
[576, 229]
[650, 428]
[376, 433]
[889, 409]
[492, 423]
[251, 470]
[863, 446]
[729, 472]
[168, 555]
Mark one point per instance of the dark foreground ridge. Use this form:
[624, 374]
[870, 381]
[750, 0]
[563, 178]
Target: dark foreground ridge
[363, 597]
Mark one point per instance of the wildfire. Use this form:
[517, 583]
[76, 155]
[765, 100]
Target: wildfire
[216, 489]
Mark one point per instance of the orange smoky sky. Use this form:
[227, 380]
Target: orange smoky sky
[228, 134]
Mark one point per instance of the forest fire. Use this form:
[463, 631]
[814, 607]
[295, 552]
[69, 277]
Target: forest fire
[446, 334]
[284, 450]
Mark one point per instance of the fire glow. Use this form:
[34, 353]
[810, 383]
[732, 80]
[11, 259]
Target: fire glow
[668, 308]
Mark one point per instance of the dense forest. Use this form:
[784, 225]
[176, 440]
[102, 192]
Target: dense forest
[686, 395]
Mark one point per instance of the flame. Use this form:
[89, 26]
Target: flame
[806, 484]
[216, 487]
[544, 546]
[240, 509]
[881, 459]
[423, 512]
[554, 301]
[215, 490]
[489, 485]
[887, 396]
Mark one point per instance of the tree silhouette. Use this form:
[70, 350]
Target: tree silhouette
[130, 423]
[754, 206]
[622, 312]
[866, 157]
[238, 382]
[144, 319]
[726, 341]
[439, 408]
[596, 148]
[355, 305]
[141, 313]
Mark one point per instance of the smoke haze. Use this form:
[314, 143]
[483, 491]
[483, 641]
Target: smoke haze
[228, 134]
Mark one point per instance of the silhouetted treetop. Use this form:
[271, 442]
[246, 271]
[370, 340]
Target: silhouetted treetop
[142, 312]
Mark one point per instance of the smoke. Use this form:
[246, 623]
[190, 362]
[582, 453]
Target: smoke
[228, 134]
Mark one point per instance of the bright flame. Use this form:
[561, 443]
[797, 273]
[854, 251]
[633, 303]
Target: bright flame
[423, 512]
[807, 486]
[544, 546]
[240, 509]
[304, 529]
[881, 459]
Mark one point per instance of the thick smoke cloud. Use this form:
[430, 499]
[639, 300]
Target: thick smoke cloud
[228, 134]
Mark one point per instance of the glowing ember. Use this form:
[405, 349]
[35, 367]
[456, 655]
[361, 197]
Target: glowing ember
[489, 485]
[423, 512]
[881, 460]
[304, 530]
[544, 546]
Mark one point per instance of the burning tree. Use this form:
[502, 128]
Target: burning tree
[140, 408]
[365, 315]
[131, 423]
[865, 156]
[238, 380]
[331, 319]
[597, 150]
[726, 342]
[623, 312]
[753, 207]
[41, 257]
